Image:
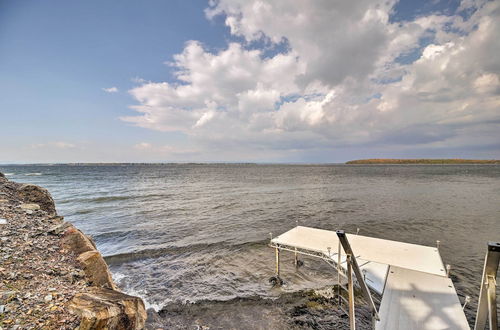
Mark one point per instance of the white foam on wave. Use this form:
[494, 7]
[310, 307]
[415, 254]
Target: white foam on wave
[118, 277]
[9, 174]
[33, 174]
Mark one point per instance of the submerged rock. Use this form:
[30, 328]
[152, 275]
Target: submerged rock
[108, 309]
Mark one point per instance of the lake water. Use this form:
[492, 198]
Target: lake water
[179, 233]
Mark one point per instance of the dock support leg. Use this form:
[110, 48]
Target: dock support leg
[296, 259]
[350, 286]
[277, 262]
[487, 307]
[276, 280]
[338, 273]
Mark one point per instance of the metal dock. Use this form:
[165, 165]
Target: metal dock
[410, 280]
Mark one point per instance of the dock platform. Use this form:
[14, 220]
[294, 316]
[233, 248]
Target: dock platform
[411, 279]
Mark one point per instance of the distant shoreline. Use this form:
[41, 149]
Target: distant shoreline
[422, 161]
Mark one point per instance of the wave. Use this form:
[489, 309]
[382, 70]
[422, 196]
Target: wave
[33, 174]
[105, 199]
[9, 174]
[224, 206]
[86, 211]
[121, 258]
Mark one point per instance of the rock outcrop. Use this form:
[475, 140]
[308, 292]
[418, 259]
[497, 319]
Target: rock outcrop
[90, 294]
[108, 309]
[103, 306]
[30, 193]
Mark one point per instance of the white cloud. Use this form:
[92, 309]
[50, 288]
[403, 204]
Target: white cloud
[143, 146]
[164, 150]
[110, 90]
[339, 82]
[58, 145]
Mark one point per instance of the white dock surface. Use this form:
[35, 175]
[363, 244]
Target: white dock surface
[410, 256]
[416, 300]
[416, 294]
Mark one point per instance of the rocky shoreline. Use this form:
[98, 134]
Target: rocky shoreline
[51, 275]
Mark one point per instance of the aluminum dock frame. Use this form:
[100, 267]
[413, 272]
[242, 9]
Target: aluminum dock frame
[413, 283]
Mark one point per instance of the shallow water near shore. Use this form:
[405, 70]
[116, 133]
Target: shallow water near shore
[178, 233]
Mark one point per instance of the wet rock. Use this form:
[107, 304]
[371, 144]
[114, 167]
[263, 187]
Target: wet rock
[76, 241]
[30, 193]
[96, 269]
[108, 309]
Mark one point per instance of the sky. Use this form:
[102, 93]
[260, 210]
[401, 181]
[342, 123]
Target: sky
[248, 80]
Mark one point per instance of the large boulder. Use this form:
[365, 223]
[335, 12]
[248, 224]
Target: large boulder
[96, 269]
[3, 179]
[76, 241]
[30, 193]
[108, 309]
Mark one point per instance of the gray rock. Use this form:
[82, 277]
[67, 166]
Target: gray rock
[41, 196]
[59, 229]
[30, 206]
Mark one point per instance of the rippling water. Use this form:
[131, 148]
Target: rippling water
[178, 233]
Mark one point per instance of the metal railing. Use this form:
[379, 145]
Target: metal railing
[351, 265]
[487, 307]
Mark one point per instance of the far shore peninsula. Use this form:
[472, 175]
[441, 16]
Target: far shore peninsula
[422, 161]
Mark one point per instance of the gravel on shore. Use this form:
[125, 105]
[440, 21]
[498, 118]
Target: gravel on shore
[37, 276]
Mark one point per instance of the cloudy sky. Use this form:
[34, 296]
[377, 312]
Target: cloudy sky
[248, 80]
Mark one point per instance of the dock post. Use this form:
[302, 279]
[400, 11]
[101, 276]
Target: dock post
[338, 273]
[296, 260]
[350, 287]
[487, 307]
[277, 263]
[357, 271]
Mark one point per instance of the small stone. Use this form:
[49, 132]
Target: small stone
[30, 206]
[2, 309]
[59, 228]
[47, 298]
[3, 221]
[4, 295]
